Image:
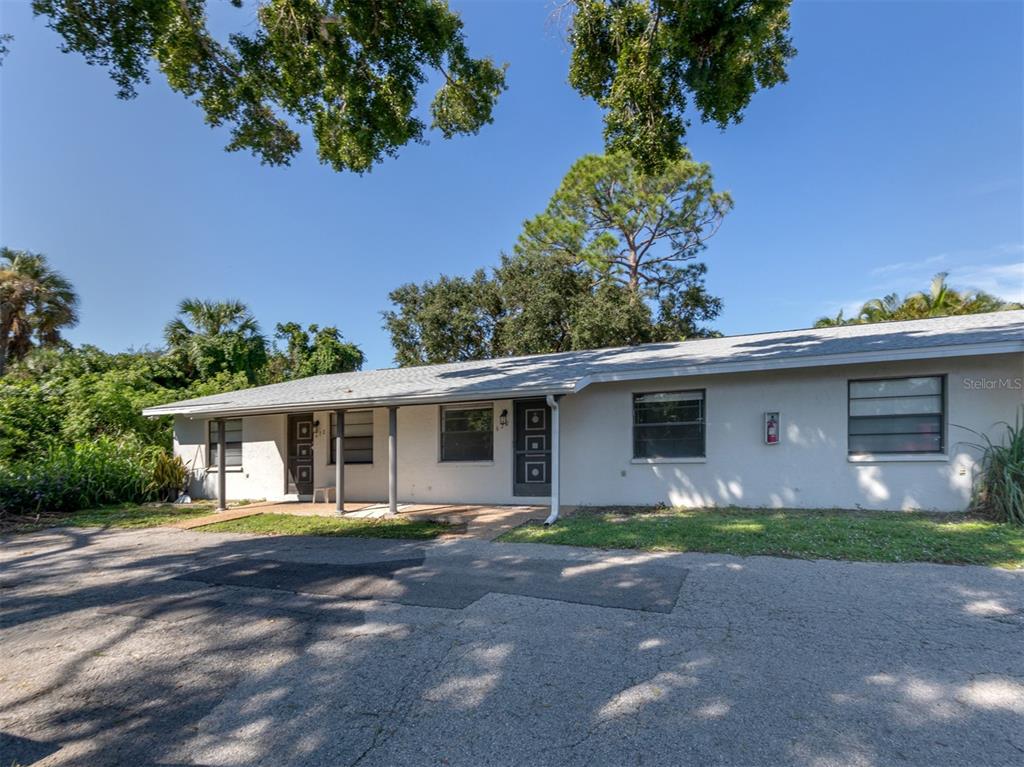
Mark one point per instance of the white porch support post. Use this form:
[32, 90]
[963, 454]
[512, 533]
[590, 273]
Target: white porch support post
[339, 462]
[392, 460]
[555, 462]
[222, 466]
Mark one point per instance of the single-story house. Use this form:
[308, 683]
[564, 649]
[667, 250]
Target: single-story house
[876, 416]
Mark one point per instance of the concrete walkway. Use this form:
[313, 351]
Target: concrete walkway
[217, 516]
[475, 521]
[167, 647]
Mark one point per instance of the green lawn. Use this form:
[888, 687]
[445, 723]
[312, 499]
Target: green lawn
[854, 535]
[287, 524]
[127, 515]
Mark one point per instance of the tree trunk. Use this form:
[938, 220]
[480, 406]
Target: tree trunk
[634, 273]
[5, 332]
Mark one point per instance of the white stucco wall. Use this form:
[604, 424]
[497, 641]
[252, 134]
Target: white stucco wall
[809, 468]
[423, 478]
[263, 453]
[363, 481]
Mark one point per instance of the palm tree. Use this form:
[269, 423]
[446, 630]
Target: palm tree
[977, 302]
[880, 309]
[216, 336]
[36, 303]
[939, 301]
[209, 318]
[832, 322]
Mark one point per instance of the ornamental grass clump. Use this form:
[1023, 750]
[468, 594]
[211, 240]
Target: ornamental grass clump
[999, 489]
[169, 476]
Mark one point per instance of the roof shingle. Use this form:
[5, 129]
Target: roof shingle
[567, 372]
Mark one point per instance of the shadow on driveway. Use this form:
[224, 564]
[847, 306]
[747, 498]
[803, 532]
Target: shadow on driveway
[157, 647]
[455, 583]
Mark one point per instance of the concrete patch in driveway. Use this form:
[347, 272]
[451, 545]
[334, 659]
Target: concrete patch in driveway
[459, 583]
[187, 606]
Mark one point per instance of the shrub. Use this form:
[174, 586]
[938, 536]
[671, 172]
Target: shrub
[101, 471]
[1000, 486]
[169, 477]
[30, 416]
[96, 404]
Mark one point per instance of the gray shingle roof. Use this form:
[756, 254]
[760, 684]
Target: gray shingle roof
[567, 372]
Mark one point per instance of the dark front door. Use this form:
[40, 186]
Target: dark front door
[300, 454]
[532, 447]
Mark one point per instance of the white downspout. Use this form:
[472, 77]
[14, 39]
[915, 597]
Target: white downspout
[555, 469]
[392, 460]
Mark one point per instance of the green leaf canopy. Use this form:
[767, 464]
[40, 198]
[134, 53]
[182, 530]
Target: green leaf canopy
[645, 61]
[348, 69]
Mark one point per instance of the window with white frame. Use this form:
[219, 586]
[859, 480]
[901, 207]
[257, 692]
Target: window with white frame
[358, 437]
[896, 415]
[232, 443]
[467, 432]
[668, 424]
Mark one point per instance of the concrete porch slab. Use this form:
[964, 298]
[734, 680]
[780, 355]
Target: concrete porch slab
[472, 520]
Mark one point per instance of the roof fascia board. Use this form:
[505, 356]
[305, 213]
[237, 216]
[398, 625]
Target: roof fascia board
[302, 407]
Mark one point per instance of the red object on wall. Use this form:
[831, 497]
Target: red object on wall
[771, 429]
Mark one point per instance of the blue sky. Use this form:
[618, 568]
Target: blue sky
[894, 152]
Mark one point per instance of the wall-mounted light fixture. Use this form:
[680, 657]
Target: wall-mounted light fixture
[503, 419]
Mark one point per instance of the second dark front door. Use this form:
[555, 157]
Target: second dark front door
[300, 454]
[532, 454]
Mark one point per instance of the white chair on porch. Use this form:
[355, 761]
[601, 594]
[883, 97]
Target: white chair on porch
[327, 494]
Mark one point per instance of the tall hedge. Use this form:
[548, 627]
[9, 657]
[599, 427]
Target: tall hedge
[85, 474]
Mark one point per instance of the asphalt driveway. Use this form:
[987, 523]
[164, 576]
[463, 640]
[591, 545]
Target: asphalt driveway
[181, 648]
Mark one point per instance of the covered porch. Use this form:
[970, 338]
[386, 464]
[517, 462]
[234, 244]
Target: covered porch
[439, 473]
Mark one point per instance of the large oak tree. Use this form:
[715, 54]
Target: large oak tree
[349, 70]
[450, 319]
[651, 64]
[352, 71]
[311, 352]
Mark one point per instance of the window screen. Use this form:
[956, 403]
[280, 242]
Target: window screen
[896, 415]
[358, 436]
[467, 433]
[668, 424]
[233, 443]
